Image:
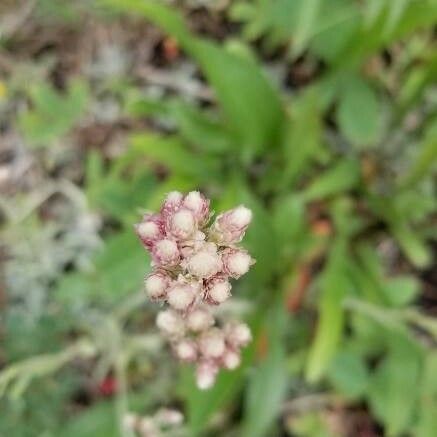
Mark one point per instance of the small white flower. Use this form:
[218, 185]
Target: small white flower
[218, 290]
[200, 319]
[150, 229]
[230, 226]
[182, 224]
[181, 296]
[205, 262]
[199, 205]
[231, 359]
[171, 203]
[212, 343]
[186, 350]
[156, 285]
[170, 322]
[236, 262]
[238, 334]
[166, 253]
[206, 374]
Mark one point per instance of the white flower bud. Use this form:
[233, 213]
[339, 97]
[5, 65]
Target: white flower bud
[199, 205]
[205, 262]
[231, 359]
[150, 229]
[229, 227]
[200, 319]
[181, 224]
[206, 374]
[236, 262]
[218, 290]
[238, 334]
[130, 421]
[166, 253]
[148, 428]
[169, 417]
[156, 285]
[180, 296]
[212, 343]
[171, 204]
[186, 350]
[170, 323]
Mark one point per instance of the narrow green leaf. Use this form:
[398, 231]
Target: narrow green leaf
[340, 178]
[268, 383]
[335, 286]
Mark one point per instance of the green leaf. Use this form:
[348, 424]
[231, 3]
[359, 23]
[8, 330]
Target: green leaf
[306, 20]
[394, 387]
[340, 178]
[202, 405]
[251, 106]
[335, 286]
[302, 139]
[98, 421]
[426, 159]
[401, 290]
[358, 113]
[427, 420]
[348, 374]
[268, 383]
[173, 154]
[53, 114]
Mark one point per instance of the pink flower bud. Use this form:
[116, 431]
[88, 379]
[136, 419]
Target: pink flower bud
[199, 205]
[200, 319]
[236, 262]
[238, 334]
[170, 322]
[180, 296]
[156, 285]
[212, 343]
[166, 253]
[150, 229]
[229, 227]
[186, 350]
[171, 203]
[181, 224]
[218, 290]
[231, 359]
[206, 374]
[205, 262]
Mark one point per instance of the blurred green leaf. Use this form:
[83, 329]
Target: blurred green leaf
[252, 107]
[358, 114]
[334, 286]
[53, 114]
[302, 140]
[174, 155]
[306, 20]
[268, 383]
[394, 388]
[343, 176]
[427, 420]
[348, 374]
[401, 290]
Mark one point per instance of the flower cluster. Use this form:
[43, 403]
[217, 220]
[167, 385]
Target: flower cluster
[193, 262]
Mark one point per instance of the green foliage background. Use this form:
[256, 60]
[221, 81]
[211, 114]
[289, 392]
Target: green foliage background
[340, 172]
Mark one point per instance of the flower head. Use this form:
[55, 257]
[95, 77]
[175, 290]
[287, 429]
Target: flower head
[193, 264]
